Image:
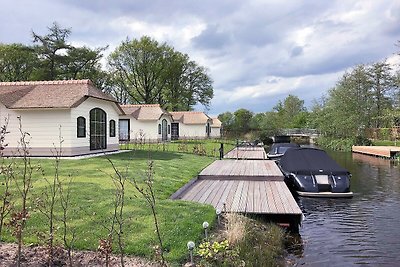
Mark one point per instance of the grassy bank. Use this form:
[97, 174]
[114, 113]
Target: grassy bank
[385, 143]
[341, 144]
[92, 202]
[203, 147]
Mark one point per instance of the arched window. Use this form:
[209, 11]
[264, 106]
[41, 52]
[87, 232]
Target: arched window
[80, 127]
[112, 128]
[98, 129]
[159, 128]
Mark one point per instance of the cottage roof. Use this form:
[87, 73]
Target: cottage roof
[216, 123]
[190, 117]
[49, 94]
[145, 112]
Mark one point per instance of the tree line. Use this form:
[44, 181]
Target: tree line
[365, 97]
[289, 113]
[138, 71]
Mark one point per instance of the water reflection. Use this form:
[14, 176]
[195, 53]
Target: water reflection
[358, 231]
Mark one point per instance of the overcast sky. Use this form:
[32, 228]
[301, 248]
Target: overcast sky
[257, 52]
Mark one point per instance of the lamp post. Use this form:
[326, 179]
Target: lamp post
[218, 212]
[205, 226]
[190, 246]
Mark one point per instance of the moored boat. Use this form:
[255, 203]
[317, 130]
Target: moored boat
[278, 150]
[310, 172]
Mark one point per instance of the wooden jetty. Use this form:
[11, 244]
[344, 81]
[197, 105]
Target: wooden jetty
[246, 153]
[244, 186]
[379, 151]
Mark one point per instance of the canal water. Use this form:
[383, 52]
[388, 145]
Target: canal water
[362, 231]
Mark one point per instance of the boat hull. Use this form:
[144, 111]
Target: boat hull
[325, 194]
[327, 186]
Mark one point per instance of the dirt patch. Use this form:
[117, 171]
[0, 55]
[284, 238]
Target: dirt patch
[37, 256]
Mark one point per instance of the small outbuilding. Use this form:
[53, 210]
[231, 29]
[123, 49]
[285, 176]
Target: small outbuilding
[145, 123]
[216, 128]
[84, 117]
[190, 125]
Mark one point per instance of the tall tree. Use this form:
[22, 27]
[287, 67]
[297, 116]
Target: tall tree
[17, 62]
[382, 83]
[227, 120]
[242, 120]
[155, 73]
[291, 112]
[61, 60]
[52, 49]
[140, 66]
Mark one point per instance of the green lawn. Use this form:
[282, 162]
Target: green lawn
[208, 147]
[92, 196]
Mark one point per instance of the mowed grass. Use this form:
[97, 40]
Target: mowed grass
[92, 193]
[207, 147]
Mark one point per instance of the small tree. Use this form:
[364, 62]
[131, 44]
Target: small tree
[147, 191]
[119, 180]
[22, 177]
[5, 198]
[48, 200]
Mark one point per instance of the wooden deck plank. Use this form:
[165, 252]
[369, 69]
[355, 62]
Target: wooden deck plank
[218, 194]
[208, 191]
[224, 197]
[289, 200]
[380, 151]
[201, 192]
[243, 198]
[282, 195]
[263, 198]
[270, 197]
[231, 195]
[193, 191]
[236, 198]
[281, 209]
[251, 196]
[257, 153]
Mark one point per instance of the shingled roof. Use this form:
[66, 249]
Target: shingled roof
[216, 123]
[145, 112]
[190, 117]
[49, 94]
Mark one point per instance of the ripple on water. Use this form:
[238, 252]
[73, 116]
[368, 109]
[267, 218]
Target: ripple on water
[358, 231]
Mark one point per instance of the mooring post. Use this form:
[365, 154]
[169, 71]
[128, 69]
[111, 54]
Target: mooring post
[221, 151]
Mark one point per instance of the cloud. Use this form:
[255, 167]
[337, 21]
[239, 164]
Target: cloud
[256, 51]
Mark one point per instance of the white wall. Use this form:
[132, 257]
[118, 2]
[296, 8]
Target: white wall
[44, 126]
[146, 130]
[215, 132]
[83, 110]
[187, 131]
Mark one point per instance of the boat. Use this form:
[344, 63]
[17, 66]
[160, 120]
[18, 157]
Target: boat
[310, 172]
[278, 149]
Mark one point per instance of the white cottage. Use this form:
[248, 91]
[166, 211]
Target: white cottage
[145, 123]
[216, 126]
[84, 117]
[190, 125]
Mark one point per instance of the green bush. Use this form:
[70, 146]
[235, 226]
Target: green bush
[342, 144]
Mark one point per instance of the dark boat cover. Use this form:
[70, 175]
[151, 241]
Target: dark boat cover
[306, 160]
[275, 148]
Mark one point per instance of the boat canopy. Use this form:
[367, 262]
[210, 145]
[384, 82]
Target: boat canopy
[280, 148]
[308, 161]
